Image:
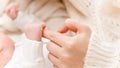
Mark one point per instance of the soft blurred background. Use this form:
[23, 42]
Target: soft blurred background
[51, 12]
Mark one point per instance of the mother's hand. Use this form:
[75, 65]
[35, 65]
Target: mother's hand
[6, 49]
[65, 51]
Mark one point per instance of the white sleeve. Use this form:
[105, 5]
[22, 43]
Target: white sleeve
[27, 54]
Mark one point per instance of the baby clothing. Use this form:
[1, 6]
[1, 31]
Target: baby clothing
[103, 16]
[27, 54]
[23, 19]
[30, 10]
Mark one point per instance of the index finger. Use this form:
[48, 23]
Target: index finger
[56, 37]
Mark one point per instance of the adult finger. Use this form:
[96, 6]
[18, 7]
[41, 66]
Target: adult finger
[53, 59]
[56, 37]
[75, 27]
[54, 49]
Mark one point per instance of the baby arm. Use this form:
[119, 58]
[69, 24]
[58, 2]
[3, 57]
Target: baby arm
[20, 19]
[28, 52]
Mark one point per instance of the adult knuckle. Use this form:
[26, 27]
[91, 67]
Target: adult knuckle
[65, 57]
[70, 45]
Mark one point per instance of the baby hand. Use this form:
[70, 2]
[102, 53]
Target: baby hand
[12, 10]
[34, 31]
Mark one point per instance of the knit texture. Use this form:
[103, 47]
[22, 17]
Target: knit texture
[103, 18]
[27, 54]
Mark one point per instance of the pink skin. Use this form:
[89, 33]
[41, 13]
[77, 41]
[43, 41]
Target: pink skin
[61, 50]
[6, 44]
[66, 51]
[6, 49]
[33, 31]
[12, 10]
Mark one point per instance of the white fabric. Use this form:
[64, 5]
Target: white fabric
[103, 16]
[24, 18]
[27, 54]
[30, 54]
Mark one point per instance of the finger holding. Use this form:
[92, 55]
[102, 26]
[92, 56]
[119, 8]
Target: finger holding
[75, 26]
[56, 37]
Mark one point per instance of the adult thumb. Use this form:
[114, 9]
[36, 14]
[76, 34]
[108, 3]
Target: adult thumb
[76, 27]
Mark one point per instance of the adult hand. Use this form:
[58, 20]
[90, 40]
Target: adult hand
[66, 51]
[6, 49]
